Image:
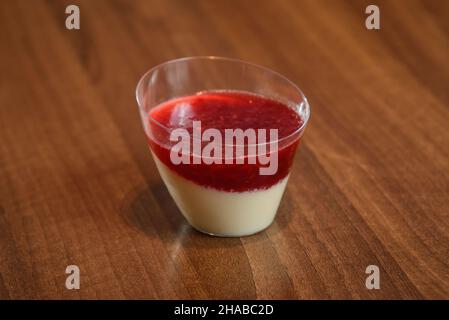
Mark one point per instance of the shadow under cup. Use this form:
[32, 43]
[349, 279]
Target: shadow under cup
[224, 199]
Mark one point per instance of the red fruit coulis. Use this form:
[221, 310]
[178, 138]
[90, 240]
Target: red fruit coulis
[226, 110]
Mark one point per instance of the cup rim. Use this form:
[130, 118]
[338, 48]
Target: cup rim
[232, 60]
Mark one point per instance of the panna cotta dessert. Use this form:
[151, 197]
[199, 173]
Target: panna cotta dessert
[232, 199]
[223, 134]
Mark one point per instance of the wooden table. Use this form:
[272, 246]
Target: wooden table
[370, 184]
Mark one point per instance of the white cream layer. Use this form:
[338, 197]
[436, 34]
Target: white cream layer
[221, 212]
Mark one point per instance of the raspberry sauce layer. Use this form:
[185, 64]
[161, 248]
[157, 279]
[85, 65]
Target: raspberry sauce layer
[226, 110]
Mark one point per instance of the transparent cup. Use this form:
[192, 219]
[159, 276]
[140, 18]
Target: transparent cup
[242, 208]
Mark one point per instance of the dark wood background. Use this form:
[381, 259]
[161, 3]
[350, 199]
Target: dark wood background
[370, 183]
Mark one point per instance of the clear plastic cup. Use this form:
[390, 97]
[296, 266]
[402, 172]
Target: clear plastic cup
[221, 199]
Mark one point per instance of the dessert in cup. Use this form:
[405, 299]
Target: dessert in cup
[223, 134]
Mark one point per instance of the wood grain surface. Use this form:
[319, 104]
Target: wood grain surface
[370, 183]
